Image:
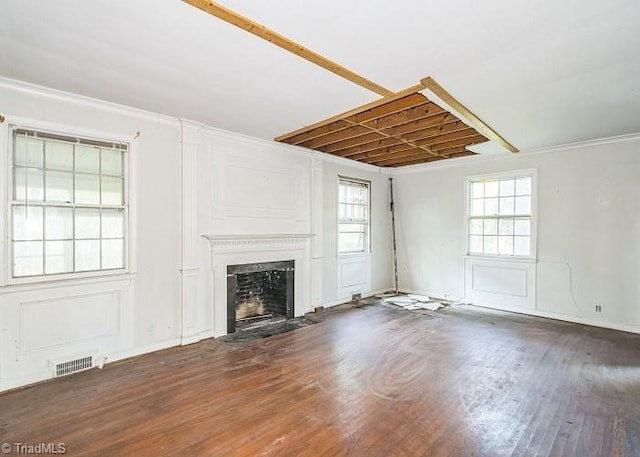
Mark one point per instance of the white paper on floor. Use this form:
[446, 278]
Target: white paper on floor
[412, 304]
[399, 299]
[421, 298]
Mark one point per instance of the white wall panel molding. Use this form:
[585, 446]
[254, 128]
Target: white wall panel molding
[499, 282]
[191, 139]
[354, 275]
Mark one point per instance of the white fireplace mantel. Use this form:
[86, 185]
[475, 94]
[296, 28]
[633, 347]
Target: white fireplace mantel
[248, 240]
[255, 248]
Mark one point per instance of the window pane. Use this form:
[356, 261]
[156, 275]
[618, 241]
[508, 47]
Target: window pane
[342, 211]
[522, 245]
[350, 242]
[477, 207]
[490, 206]
[59, 186]
[522, 227]
[28, 184]
[475, 244]
[491, 188]
[112, 223]
[523, 205]
[87, 189]
[477, 189]
[87, 223]
[475, 226]
[59, 223]
[506, 206]
[59, 155]
[87, 159]
[490, 227]
[111, 162]
[346, 228]
[112, 191]
[490, 244]
[27, 223]
[505, 245]
[27, 258]
[28, 152]
[87, 255]
[112, 254]
[59, 257]
[523, 186]
[342, 193]
[507, 187]
[505, 227]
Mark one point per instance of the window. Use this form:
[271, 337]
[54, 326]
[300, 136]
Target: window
[500, 216]
[353, 216]
[67, 205]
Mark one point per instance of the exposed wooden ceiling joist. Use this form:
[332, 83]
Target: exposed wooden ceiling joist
[259, 30]
[396, 122]
[390, 132]
[432, 85]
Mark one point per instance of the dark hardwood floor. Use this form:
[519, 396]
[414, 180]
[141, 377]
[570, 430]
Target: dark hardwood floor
[374, 381]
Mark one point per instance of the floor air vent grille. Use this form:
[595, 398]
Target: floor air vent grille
[73, 366]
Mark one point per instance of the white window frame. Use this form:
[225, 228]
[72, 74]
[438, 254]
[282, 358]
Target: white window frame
[367, 241]
[7, 142]
[530, 172]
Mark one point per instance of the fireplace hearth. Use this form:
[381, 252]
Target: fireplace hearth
[259, 293]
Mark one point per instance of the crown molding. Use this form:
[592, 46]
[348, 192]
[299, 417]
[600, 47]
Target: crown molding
[82, 100]
[464, 161]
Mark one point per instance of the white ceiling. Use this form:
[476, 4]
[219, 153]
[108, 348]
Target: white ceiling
[540, 72]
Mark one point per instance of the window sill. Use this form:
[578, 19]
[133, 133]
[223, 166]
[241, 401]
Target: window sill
[29, 284]
[353, 255]
[500, 258]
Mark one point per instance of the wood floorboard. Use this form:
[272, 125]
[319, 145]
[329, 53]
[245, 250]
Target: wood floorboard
[372, 381]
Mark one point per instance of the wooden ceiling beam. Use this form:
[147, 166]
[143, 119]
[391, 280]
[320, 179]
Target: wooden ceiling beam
[393, 107]
[369, 106]
[438, 130]
[404, 154]
[353, 131]
[431, 159]
[337, 148]
[423, 111]
[259, 30]
[466, 141]
[365, 147]
[407, 156]
[320, 131]
[380, 152]
[479, 124]
[432, 121]
[402, 140]
[438, 139]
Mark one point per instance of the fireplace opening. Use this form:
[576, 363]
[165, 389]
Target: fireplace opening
[259, 293]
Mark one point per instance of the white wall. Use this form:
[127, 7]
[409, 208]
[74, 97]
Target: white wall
[588, 246]
[187, 180]
[111, 316]
[359, 273]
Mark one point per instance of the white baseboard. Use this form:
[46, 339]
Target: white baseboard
[342, 301]
[561, 317]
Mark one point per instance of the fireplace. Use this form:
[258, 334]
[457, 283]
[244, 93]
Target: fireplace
[259, 293]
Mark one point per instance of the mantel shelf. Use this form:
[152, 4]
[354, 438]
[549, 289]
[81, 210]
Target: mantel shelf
[258, 237]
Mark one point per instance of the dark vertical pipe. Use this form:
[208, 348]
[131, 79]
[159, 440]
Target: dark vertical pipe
[393, 234]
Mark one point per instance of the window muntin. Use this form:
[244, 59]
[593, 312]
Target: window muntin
[353, 216]
[68, 205]
[500, 215]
